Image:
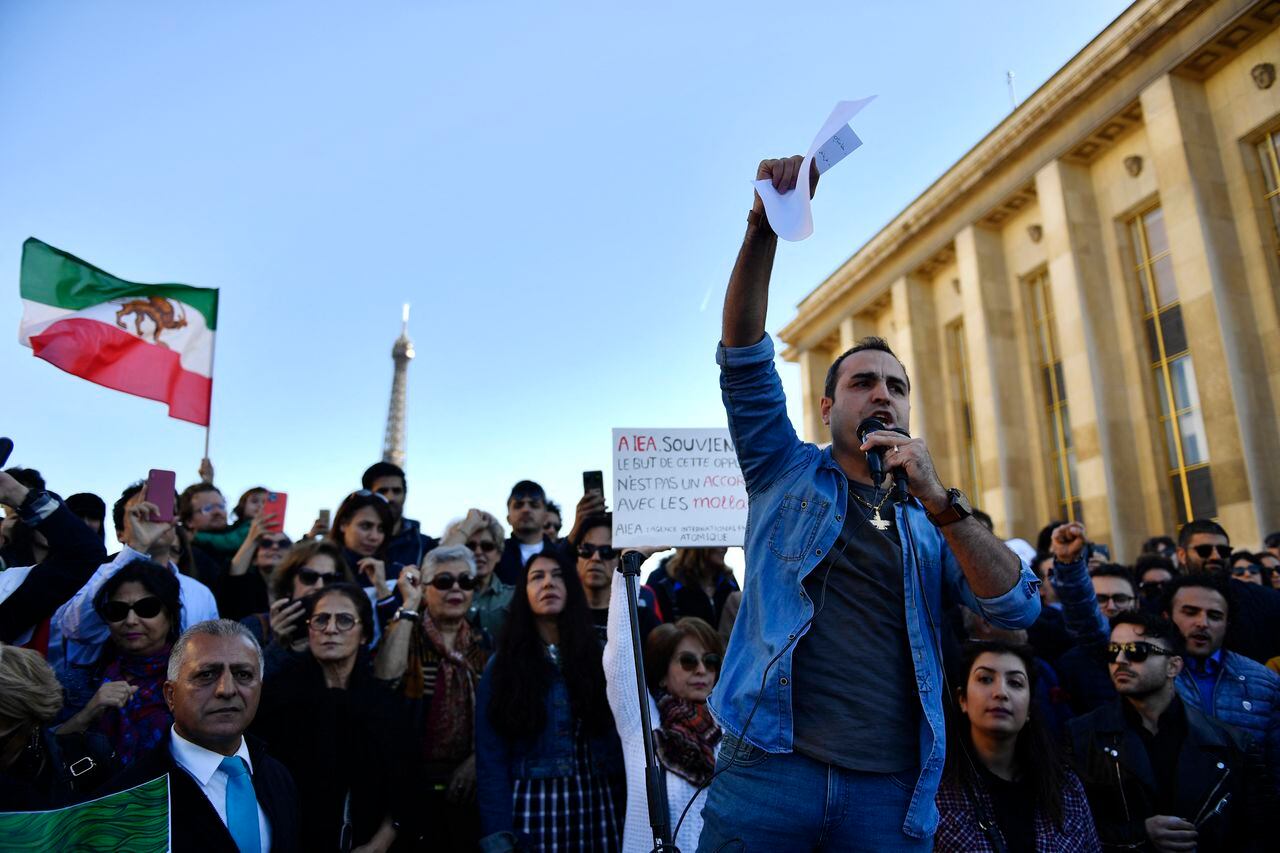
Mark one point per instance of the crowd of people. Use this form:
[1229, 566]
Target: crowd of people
[476, 691]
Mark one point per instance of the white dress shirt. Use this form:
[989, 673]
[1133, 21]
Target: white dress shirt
[205, 767]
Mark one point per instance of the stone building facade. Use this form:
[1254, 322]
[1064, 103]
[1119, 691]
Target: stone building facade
[1087, 302]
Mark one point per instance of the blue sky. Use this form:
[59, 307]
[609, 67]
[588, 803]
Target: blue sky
[554, 187]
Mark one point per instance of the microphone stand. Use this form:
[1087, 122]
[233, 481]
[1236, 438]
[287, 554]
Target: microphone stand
[655, 780]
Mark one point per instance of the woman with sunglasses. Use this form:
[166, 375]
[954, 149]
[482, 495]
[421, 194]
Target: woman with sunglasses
[549, 765]
[1004, 788]
[244, 588]
[1246, 568]
[483, 536]
[304, 569]
[339, 730]
[140, 605]
[681, 666]
[434, 658]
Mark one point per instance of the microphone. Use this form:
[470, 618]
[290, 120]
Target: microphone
[875, 456]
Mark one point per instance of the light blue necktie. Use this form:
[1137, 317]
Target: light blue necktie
[242, 805]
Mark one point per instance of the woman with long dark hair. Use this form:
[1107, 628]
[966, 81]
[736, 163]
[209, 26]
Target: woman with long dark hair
[362, 527]
[1004, 787]
[548, 760]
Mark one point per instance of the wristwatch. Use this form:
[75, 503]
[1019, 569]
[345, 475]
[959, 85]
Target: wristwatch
[406, 613]
[958, 510]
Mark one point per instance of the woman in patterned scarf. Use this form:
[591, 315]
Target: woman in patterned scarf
[140, 604]
[681, 665]
[435, 658]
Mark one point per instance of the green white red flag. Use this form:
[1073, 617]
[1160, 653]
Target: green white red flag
[150, 340]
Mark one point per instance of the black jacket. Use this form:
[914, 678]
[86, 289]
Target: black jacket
[194, 824]
[1215, 768]
[338, 742]
[1253, 629]
[510, 567]
[75, 552]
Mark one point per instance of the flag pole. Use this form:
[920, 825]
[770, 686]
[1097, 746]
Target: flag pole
[213, 350]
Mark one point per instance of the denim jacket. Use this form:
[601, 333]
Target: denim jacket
[1246, 696]
[796, 503]
[500, 761]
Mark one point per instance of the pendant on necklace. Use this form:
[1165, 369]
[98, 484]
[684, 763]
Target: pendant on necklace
[879, 523]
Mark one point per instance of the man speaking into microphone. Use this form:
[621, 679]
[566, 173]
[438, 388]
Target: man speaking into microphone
[831, 696]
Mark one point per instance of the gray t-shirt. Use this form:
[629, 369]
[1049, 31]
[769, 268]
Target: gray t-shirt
[854, 700]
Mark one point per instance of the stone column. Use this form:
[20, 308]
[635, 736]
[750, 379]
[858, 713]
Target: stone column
[997, 395]
[917, 347]
[813, 375]
[1235, 398]
[852, 329]
[1121, 487]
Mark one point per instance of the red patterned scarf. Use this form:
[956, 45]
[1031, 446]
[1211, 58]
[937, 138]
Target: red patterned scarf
[449, 719]
[686, 738]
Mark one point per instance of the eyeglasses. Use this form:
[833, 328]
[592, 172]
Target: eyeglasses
[1136, 652]
[309, 577]
[146, 608]
[551, 526]
[274, 544]
[606, 552]
[1120, 599]
[446, 582]
[1241, 571]
[1150, 588]
[208, 508]
[689, 661]
[486, 546]
[342, 621]
[1206, 551]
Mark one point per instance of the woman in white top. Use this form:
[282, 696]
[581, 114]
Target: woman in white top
[681, 665]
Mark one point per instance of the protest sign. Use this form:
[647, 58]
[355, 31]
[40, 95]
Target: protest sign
[136, 820]
[677, 487]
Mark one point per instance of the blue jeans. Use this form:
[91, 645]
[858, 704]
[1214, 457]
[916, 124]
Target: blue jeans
[790, 802]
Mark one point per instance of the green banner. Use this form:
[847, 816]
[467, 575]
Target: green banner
[136, 820]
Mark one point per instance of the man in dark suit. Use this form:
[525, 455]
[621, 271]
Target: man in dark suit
[225, 792]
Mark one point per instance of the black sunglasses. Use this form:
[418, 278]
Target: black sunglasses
[1136, 652]
[1150, 588]
[606, 552]
[146, 608]
[689, 661]
[445, 582]
[274, 544]
[1120, 599]
[1241, 571]
[486, 546]
[1206, 551]
[310, 576]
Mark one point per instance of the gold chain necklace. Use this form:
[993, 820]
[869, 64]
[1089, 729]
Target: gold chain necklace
[877, 522]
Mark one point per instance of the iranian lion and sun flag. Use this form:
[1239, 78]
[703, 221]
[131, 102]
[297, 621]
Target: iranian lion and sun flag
[150, 340]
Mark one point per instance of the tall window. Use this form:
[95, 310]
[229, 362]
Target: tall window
[1270, 160]
[1175, 378]
[1055, 395]
[959, 363]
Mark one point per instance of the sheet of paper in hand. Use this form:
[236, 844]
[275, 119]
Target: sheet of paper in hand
[677, 487]
[789, 213]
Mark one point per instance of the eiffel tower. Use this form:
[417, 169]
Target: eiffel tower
[401, 354]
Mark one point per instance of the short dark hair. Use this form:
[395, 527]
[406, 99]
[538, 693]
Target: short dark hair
[1157, 544]
[87, 505]
[354, 594]
[1200, 525]
[378, 470]
[872, 343]
[1272, 540]
[1153, 628]
[1147, 562]
[117, 509]
[661, 644]
[28, 477]
[552, 506]
[1044, 540]
[244, 499]
[1115, 570]
[186, 500]
[527, 489]
[1249, 556]
[591, 522]
[1210, 582]
[155, 579]
[984, 519]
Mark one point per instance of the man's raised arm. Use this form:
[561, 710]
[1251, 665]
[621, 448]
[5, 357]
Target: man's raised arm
[747, 300]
